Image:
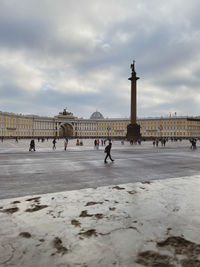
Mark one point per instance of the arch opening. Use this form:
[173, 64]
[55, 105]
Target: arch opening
[65, 130]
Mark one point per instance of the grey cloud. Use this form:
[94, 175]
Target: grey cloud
[186, 107]
[90, 37]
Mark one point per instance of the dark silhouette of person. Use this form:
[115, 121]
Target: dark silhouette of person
[54, 143]
[193, 143]
[107, 151]
[32, 145]
[65, 143]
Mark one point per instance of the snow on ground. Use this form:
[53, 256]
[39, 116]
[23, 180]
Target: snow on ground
[149, 223]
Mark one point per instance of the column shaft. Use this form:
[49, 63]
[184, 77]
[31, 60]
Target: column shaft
[133, 101]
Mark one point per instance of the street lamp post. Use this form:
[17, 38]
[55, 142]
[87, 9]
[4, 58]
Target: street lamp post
[160, 128]
[108, 129]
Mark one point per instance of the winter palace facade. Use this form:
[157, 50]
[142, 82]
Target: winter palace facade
[65, 124]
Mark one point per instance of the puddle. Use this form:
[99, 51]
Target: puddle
[10, 210]
[36, 208]
[99, 215]
[153, 259]
[75, 223]
[25, 234]
[57, 243]
[84, 213]
[34, 199]
[89, 233]
[181, 246]
[188, 254]
[132, 192]
[15, 202]
[118, 187]
[93, 203]
[146, 182]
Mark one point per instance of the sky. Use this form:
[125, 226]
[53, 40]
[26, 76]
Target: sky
[77, 54]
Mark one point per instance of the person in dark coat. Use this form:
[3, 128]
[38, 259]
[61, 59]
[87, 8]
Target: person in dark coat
[32, 145]
[54, 143]
[107, 151]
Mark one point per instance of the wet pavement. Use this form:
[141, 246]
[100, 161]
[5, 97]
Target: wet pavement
[47, 171]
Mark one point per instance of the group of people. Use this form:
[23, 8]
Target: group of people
[135, 142]
[96, 143]
[193, 142]
[65, 143]
[79, 143]
[161, 140]
[32, 144]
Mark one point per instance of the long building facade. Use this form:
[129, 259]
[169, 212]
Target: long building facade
[66, 125]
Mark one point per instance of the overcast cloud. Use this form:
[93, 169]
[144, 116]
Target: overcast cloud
[77, 54]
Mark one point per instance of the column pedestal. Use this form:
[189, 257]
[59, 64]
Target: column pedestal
[133, 132]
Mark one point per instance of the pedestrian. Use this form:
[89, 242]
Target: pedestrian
[32, 145]
[65, 143]
[164, 141]
[95, 143]
[98, 142]
[157, 141]
[54, 143]
[107, 151]
[193, 142]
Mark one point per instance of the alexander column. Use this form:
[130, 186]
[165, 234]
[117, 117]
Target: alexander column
[133, 129]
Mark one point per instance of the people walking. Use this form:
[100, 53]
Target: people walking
[164, 141]
[193, 142]
[54, 143]
[32, 145]
[157, 142]
[95, 143]
[65, 143]
[107, 151]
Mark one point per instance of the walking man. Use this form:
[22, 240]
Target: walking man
[32, 145]
[65, 143]
[54, 143]
[107, 151]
